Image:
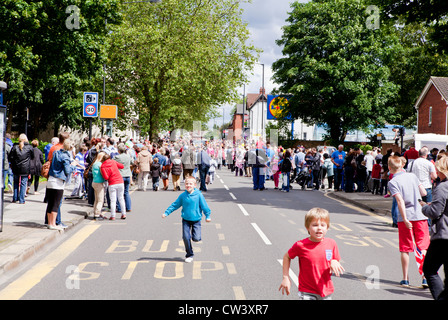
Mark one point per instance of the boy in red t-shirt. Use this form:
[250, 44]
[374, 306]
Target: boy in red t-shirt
[376, 176]
[318, 259]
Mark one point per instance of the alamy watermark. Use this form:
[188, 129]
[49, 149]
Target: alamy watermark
[72, 21]
[373, 20]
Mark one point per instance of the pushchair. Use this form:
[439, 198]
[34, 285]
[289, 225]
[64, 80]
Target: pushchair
[304, 177]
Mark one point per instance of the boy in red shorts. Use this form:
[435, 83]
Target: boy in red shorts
[412, 224]
[318, 259]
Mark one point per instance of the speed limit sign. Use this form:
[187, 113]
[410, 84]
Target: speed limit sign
[90, 105]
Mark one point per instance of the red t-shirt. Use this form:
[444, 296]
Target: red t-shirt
[376, 171]
[314, 264]
[411, 154]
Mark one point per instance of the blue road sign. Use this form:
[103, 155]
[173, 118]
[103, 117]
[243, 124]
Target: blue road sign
[90, 105]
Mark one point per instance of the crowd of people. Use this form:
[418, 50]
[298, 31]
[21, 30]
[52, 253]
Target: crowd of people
[102, 171]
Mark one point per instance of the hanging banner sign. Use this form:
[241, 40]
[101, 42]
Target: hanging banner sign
[276, 105]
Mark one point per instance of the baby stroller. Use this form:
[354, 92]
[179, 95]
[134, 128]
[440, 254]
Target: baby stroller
[304, 177]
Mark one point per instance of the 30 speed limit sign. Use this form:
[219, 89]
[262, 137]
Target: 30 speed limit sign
[90, 105]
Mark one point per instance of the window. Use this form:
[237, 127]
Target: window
[430, 117]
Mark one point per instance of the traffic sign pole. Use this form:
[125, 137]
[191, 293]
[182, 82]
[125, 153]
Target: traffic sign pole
[90, 108]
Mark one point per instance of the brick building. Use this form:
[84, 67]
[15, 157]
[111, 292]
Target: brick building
[432, 114]
[432, 107]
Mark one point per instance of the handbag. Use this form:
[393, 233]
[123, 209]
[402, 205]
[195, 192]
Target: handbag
[44, 172]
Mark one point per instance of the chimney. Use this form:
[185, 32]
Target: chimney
[262, 91]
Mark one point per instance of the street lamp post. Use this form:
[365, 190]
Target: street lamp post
[263, 133]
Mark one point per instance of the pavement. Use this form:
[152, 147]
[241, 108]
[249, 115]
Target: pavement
[24, 233]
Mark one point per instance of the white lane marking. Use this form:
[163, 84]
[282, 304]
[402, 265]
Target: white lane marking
[226, 187]
[233, 197]
[262, 235]
[243, 210]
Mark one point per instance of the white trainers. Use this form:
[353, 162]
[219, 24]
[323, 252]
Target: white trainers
[189, 260]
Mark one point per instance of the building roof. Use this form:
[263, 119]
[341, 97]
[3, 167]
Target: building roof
[440, 83]
[253, 98]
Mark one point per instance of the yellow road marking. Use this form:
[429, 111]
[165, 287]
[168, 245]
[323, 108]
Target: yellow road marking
[239, 293]
[21, 286]
[372, 214]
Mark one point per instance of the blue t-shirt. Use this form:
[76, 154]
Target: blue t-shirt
[338, 158]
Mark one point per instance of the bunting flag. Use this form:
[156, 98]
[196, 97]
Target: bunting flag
[419, 258]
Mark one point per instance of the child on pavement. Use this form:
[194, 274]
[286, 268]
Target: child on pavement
[193, 205]
[412, 224]
[318, 259]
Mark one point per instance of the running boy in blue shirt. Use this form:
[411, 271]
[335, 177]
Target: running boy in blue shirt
[193, 205]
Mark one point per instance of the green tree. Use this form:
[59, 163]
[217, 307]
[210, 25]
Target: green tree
[432, 13]
[176, 60]
[48, 59]
[421, 27]
[334, 66]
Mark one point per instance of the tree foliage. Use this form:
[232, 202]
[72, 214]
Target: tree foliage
[335, 66]
[175, 61]
[46, 64]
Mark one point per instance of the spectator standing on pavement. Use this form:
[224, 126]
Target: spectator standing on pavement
[20, 157]
[35, 166]
[155, 172]
[98, 185]
[376, 176]
[211, 170]
[62, 136]
[258, 160]
[437, 253]
[425, 172]
[54, 141]
[110, 172]
[62, 166]
[286, 167]
[188, 163]
[328, 170]
[78, 175]
[7, 172]
[338, 158]
[370, 161]
[316, 168]
[126, 160]
[176, 171]
[432, 156]
[318, 259]
[411, 154]
[144, 160]
[193, 206]
[203, 161]
[412, 225]
[349, 171]
[275, 167]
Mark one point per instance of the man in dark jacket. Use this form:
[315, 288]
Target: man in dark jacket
[19, 157]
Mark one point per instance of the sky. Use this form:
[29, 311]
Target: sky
[265, 19]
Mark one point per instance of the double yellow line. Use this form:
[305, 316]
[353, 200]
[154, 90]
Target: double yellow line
[18, 288]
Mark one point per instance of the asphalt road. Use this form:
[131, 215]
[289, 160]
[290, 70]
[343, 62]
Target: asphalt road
[239, 257]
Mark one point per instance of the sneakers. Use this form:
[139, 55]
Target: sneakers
[189, 260]
[404, 283]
